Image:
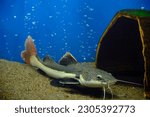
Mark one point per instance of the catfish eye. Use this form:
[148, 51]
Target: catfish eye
[99, 77]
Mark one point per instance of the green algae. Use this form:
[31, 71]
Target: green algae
[137, 13]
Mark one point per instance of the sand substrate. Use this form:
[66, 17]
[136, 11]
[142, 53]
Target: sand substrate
[20, 81]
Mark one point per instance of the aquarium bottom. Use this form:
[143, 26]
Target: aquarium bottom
[23, 82]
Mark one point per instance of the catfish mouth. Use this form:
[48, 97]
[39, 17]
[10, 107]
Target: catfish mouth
[111, 82]
[104, 83]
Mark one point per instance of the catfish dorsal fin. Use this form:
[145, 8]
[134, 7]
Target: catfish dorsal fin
[48, 59]
[67, 59]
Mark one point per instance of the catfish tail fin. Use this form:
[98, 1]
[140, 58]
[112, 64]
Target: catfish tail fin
[29, 51]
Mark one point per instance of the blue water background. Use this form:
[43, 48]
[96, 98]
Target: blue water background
[58, 26]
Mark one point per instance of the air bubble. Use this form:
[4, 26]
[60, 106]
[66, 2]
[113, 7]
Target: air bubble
[87, 25]
[15, 16]
[5, 36]
[33, 22]
[50, 17]
[16, 35]
[142, 7]
[28, 13]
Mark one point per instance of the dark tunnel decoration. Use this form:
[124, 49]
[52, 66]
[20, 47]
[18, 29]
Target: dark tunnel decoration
[124, 48]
